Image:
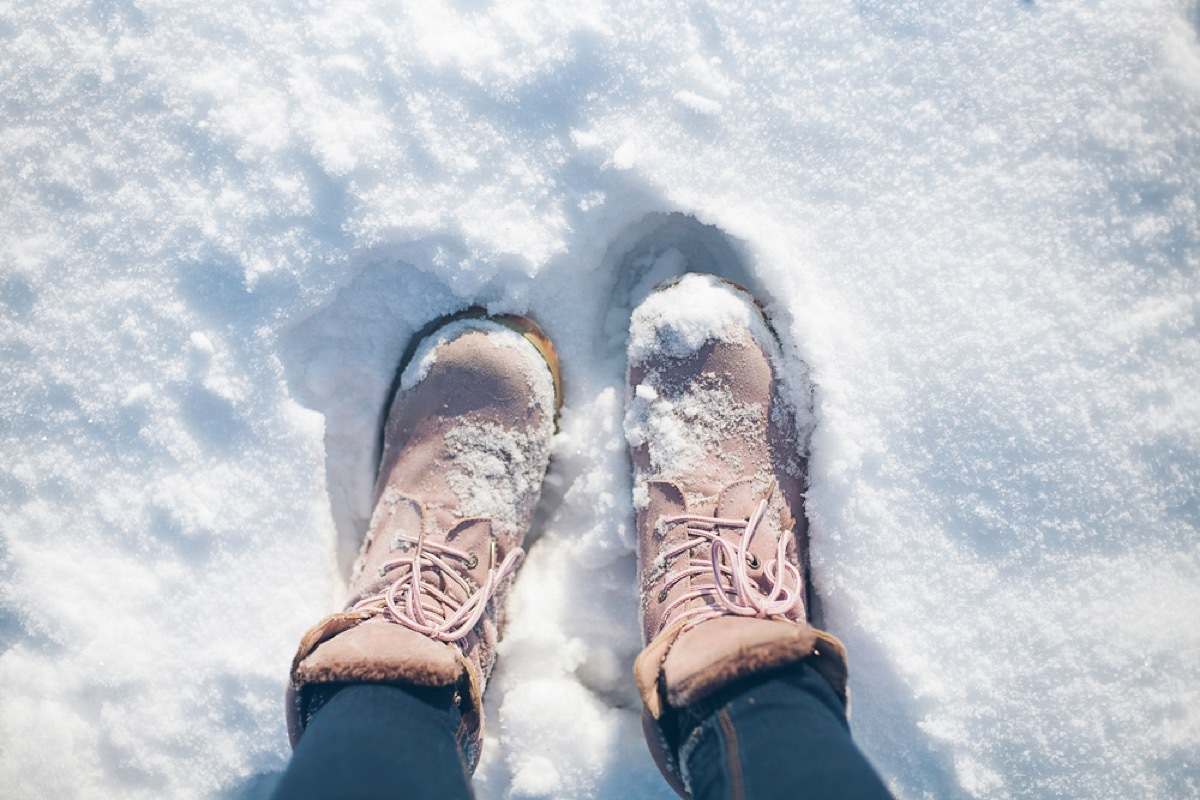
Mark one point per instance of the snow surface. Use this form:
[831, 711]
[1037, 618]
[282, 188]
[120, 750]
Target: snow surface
[976, 222]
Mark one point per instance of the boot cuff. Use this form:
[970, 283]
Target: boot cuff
[356, 647]
[679, 669]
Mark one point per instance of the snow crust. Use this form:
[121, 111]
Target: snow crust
[975, 225]
[679, 321]
[496, 469]
[425, 355]
[683, 424]
[683, 431]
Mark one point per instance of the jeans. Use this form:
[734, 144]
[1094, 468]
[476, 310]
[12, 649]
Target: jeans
[782, 735]
[369, 741]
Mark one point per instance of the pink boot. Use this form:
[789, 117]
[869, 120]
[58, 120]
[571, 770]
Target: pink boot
[466, 445]
[718, 489]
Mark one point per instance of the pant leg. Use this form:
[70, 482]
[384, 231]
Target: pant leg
[783, 735]
[373, 741]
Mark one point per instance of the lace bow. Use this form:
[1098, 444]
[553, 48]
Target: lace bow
[727, 566]
[414, 601]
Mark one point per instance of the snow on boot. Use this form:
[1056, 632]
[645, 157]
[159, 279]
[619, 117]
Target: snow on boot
[718, 491]
[465, 448]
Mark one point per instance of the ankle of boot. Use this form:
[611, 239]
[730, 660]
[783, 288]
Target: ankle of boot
[680, 675]
[464, 683]
[683, 666]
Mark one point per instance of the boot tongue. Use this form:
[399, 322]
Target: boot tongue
[665, 498]
[738, 500]
[400, 514]
[472, 537]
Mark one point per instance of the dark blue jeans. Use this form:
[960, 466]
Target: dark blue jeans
[370, 741]
[781, 736]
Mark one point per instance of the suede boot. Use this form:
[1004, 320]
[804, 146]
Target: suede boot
[465, 448]
[718, 491]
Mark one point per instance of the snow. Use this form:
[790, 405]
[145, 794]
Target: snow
[685, 423]
[977, 223]
[677, 320]
[496, 470]
[681, 432]
[425, 356]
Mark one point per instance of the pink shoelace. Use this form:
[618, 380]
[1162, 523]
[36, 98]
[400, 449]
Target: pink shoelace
[732, 588]
[416, 603]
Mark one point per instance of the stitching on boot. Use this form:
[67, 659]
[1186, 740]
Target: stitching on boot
[733, 762]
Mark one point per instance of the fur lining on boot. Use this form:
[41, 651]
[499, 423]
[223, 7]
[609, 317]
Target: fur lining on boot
[679, 669]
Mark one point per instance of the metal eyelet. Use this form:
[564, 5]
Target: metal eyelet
[752, 560]
[473, 562]
[662, 596]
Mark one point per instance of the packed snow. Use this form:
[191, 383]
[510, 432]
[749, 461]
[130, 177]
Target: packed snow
[685, 423]
[680, 317]
[975, 227]
[425, 354]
